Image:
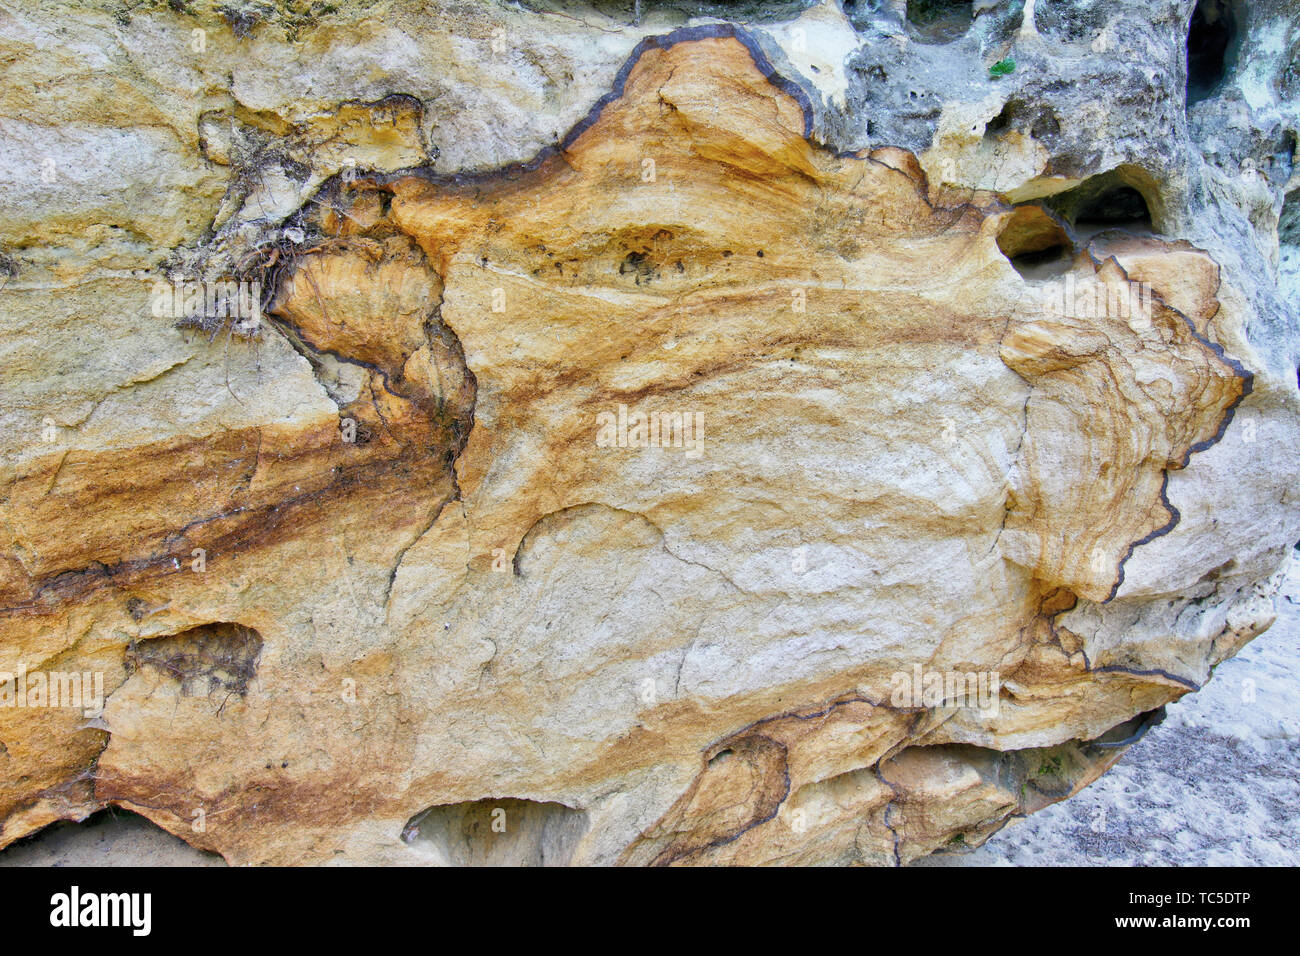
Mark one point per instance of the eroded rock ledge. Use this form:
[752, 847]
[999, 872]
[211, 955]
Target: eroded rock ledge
[430, 592]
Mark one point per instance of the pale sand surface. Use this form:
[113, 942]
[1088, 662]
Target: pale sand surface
[1217, 784]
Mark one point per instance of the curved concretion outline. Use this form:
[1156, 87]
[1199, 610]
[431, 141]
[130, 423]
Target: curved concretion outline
[710, 31]
[497, 177]
[797, 93]
[1247, 378]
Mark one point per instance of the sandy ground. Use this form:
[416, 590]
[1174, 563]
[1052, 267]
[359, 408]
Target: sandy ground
[109, 838]
[1218, 783]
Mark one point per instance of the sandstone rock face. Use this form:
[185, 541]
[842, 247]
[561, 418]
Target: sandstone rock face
[475, 434]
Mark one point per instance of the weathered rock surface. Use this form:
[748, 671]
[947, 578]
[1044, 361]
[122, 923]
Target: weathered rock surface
[644, 413]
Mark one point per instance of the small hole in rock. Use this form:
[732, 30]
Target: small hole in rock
[940, 21]
[497, 832]
[1039, 122]
[1122, 205]
[1118, 199]
[720, 757]
[110, 837]
[1002, 122]
[1036, 242]
[1211, 42]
